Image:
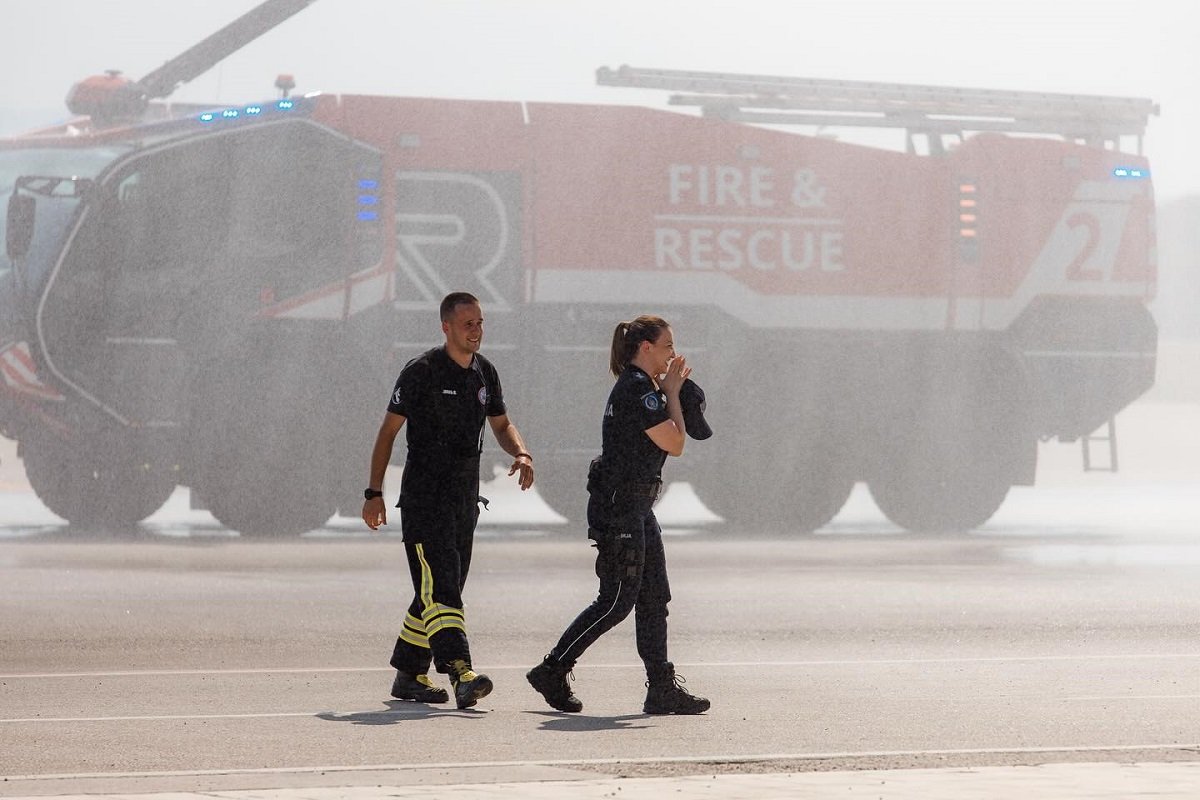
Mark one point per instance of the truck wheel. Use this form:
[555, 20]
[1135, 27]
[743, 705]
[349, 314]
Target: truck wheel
[947, 471]
[797, 503]
[269, 482]
[951, 457]
[90, 484]
[263, 476]
[270, 508]
[932, 500]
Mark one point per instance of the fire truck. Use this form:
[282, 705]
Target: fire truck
[220, 298]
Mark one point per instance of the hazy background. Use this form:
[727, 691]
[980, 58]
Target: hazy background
[549, 50]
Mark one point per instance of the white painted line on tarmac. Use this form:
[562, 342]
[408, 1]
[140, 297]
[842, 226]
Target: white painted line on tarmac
[738, 758]
[1105, 698]
[139, 673]
[630, 665]
[423, 711]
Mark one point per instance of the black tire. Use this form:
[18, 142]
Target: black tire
[268, 509]
[756, 498]
[947, 470]
[932, 501]
[89, 483]
[269, 480]
[263, 469]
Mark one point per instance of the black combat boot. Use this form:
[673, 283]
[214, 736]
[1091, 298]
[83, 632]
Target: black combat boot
[418, 688]
[665, 694]
[550, 679]
[469, 686]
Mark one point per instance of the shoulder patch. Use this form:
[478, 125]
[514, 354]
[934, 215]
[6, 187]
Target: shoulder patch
[650, 400]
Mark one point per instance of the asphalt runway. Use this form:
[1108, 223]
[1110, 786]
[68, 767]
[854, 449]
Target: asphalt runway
[231, 662]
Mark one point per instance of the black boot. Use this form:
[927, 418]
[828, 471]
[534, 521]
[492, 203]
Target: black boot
[469, 686]
[665, 694]
[418, 688]
[550, 679]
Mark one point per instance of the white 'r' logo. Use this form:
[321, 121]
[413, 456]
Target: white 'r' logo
[417, 232]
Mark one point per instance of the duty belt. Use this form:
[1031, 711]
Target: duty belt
[650, 490]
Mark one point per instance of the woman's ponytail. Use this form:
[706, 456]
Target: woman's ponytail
[628, 336]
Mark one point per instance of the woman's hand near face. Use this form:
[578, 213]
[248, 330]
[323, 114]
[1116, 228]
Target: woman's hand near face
[677, 373]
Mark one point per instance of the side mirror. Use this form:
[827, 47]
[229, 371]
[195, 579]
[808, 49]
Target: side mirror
[22, 209]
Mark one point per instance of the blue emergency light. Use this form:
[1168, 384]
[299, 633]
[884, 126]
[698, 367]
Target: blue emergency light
[249, 111]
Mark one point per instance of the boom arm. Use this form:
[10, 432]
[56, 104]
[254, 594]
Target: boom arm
[111, 98]
[201, 57]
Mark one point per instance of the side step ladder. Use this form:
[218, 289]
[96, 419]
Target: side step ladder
[1110, 436]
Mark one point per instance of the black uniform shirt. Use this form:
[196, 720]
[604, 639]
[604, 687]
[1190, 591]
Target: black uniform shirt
[634, 407]
[445, 406]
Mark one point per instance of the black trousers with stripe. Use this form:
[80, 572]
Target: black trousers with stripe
[632, 567]
[438, 522]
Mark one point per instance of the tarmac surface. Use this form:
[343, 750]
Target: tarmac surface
[1078, 781]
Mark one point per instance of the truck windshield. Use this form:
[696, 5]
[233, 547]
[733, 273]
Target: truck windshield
[57, 162]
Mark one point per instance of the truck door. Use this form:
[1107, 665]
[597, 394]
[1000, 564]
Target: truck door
[118, 309]
[187, 242]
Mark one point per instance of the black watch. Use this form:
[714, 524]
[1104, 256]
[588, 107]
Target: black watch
[371, 494]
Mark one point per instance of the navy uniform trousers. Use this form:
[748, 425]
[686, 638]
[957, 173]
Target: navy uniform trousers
[438, 516]
[632, 568]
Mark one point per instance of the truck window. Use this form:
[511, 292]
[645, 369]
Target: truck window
[291, 205]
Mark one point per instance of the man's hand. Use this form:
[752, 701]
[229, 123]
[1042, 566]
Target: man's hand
[375, 513]
[525, 464]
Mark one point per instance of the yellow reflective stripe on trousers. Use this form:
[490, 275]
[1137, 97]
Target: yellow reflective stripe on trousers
[439, 617]
[435, 616]
[413, 631]
[426, 578]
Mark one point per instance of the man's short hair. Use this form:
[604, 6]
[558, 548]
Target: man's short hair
[454, 300]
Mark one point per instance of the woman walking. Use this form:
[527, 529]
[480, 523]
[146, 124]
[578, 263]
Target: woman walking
[643, 424]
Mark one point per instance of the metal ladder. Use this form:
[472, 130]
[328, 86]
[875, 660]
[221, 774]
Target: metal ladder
[933, 109]
[1109, 436]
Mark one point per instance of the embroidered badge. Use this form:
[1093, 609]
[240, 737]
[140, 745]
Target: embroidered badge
[396, 396]
[483, 395]
[650, 400]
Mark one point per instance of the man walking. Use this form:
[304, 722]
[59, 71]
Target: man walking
[444, 394]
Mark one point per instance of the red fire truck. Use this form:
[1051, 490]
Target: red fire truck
[220, 298]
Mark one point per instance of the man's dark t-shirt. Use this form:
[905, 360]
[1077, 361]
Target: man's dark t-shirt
[445, 406]
[634, 407]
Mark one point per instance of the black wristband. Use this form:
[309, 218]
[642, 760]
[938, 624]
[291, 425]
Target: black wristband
[371, 494]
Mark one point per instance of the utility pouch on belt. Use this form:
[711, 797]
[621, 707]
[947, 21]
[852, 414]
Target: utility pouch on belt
[595, 480]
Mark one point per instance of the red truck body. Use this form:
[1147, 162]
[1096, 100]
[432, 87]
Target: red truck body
[914, 320]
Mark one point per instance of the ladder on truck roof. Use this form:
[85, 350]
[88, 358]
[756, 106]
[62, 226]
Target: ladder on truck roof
[767, 99]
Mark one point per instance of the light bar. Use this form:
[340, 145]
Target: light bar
[249, 111]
